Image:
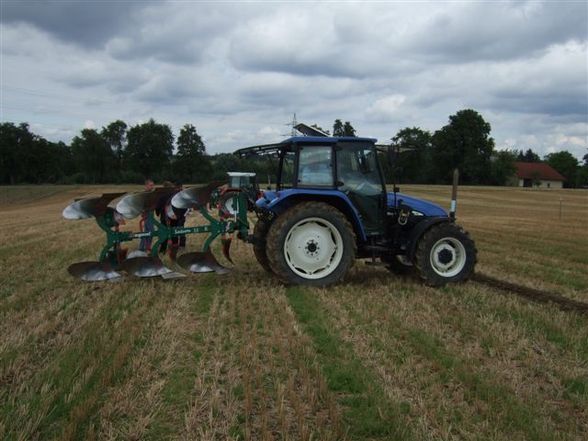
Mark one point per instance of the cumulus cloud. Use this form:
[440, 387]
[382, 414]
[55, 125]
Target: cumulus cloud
[386, 108]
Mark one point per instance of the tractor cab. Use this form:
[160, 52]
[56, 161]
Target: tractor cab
[241, 181]
[346, 168]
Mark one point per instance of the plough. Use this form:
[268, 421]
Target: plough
[169, 203]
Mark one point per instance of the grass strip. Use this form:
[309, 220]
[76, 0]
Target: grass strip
[175, 395]
[369, 413]
[502, 406]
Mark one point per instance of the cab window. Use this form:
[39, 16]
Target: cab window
[315, 166]
[357, 170]
[287, 169]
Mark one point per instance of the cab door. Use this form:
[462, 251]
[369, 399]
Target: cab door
[358, 176]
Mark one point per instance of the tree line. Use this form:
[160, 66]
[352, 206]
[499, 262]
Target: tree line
[118, 153]
[465, 143]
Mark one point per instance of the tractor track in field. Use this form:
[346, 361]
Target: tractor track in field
[533, 294]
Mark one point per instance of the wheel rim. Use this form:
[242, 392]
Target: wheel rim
[313, 248]
[230, 206]
[448, 257]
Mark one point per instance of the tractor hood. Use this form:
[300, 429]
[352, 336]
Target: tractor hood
[270, 198]
[425, 207]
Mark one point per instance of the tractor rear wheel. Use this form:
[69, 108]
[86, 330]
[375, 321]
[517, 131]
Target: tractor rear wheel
[312, 244]
[445, 253]
[259, 243]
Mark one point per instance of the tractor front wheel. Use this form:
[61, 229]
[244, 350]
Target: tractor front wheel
[312, 243]
[445, 253]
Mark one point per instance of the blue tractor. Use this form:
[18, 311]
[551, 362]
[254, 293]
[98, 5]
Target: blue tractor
[330, 206]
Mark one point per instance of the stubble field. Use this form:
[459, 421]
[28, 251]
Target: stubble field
[243, 357]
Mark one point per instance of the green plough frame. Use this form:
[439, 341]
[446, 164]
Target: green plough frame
[163, 233]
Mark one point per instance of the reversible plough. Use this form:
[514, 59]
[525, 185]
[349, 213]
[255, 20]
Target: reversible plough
[170, 204]
[329, 206]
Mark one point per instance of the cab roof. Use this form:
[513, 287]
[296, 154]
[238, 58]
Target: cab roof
[312, 140]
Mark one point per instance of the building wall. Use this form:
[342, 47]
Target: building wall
[544, 184]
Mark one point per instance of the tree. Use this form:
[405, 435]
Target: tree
[338, 128]
[149, 148]
[566, 164]
[528, 156]
[191, 163]
[189, 142]
[26, 157]
[503, 167]
[115, 135]
[15, 150]
[464, 143]
[348, 129]
[582, 174]
[93, 156]
[414, 162]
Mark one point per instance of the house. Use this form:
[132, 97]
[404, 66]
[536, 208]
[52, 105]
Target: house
[537, 174]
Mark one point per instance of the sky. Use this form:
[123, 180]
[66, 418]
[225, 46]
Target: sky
[238, 71]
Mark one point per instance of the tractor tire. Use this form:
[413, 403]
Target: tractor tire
[259, 243]
[398, 264]
[445, 253]
[311, 244]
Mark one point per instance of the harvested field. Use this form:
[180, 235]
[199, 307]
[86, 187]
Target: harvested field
[243, 357]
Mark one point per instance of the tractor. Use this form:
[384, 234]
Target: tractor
[239, 182]
[329, 207]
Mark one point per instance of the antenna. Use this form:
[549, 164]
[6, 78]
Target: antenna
[293, 123]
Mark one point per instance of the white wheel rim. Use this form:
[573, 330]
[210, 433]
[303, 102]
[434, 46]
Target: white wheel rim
[230, 206]
[313, 248]
[448, 257]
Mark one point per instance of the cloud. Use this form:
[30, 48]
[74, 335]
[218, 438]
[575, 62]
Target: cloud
[239, 71]
[475, 31]
[88, 23]
[386, 108]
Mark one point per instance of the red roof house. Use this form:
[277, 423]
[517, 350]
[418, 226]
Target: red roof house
[538, 174]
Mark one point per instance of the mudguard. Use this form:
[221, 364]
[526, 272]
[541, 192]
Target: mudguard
[279, 201]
